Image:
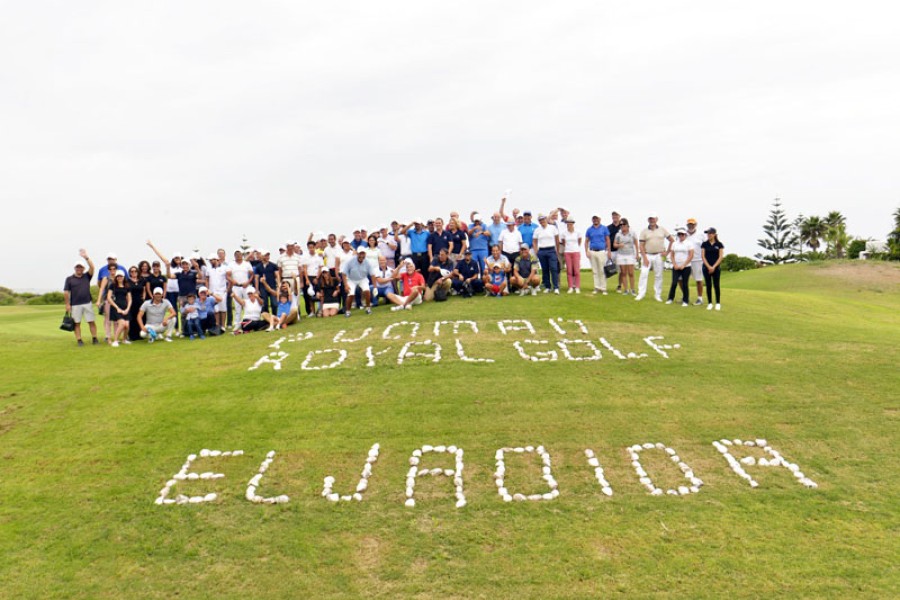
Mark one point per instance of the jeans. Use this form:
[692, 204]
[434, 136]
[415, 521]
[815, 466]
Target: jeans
[192, 326]
[549, 267]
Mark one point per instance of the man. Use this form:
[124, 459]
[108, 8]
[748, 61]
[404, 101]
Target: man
[524, 276]
[267, 280]
[311, 266]
[653, 250]
[208, 315]
[229, 310]
[466, 277]
[613, 228]
[598, 249]
[418, 245]
[387, 245]
[496, 258]
[357, 274]
[111, 260]
[439, 276]
[160, 318]
[527, 228]
[545, 244]
[79, 303]
[696, 239]
[217, 280]
[479, 240]
[383, 280]
[289, 264]
[510, 241]
[495, 228]
[240, 276]
[331, 250]
[358, 240]
[439, 240]
[403, 248]
[413, 286]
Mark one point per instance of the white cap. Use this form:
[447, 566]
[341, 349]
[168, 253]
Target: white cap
[80, 263]
[202, 288]
[251, 290]
[195, 256]
[476, 217]
[178, 254]
[291, 243]
[121, 273]
[212, 256]
[157, 290]
[653, 215]
[112, 255]
[264, 251]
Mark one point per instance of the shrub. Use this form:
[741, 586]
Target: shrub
[733, 262]
[855, 247]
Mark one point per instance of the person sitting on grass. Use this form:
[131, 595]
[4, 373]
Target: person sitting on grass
[439, 276]
[79, 303]
[328, 293]
[159, 315]
[466, 277]
[119, 298]
[357, 274]
[285, 308]
[525, 276]
[383, 279]
[251, 306]
[191, 315]
[498, 284]
[208, 303]
[412, 287]
[287, 290]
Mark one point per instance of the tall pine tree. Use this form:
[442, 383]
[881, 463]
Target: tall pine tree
[779, 238]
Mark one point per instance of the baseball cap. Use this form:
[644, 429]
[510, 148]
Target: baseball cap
[361, 250]
[157, 290]
[510, 222]
[523, 247]
[291, 243]
[177, 255]
[711, 230]
[527, 213]
[212, 256]
[184, 260]
[251, 289]
[476, 217]
[692, 220]
[680, 230]
[264, 251]
[202, 288]
[121, 273]
[541, 216]
[653, 215]
[112, 255]
[469, 252]
[80, 263]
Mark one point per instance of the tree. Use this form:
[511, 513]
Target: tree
[838, 240]
[779, 237]
[812, 230]
[894, 238]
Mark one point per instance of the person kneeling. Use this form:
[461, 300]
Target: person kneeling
[466, 278]
[498, 284]
[252, 309]
[160, 317]
[525, 276]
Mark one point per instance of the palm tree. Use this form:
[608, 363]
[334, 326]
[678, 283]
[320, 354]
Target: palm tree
[838, 240]
[812, 230]
[835, 219]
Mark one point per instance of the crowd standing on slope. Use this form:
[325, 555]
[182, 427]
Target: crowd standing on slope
[401, 266]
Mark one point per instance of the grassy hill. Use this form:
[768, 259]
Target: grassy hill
[804, 356]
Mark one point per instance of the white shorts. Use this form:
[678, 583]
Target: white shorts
[362, 284]
[415, 302]
[625, 259]
[331, 305]
[83, 312]
[223, 305]
[697, 270]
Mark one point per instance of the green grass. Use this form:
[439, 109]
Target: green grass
[805, 356]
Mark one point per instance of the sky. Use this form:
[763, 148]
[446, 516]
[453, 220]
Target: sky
[195, 123]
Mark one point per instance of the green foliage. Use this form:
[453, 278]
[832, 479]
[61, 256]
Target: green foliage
[10, 298]
[893, 252]
[733, 262]
[856, 246]
[48, 298]
[779, 239]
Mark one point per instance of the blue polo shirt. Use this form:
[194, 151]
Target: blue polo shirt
[355, 270]
[596, 237]
[495, 230]
[527, 231]
[478, 242]
[418, 240]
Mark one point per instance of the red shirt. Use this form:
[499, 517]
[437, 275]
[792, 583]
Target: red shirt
[409, 282]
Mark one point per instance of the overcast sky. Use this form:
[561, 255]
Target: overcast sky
[193, 123]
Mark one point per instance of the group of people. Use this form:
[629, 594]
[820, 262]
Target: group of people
[401, 265]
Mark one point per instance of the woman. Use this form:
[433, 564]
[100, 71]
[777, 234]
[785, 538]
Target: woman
[681, 253]
[546, 243]
[103, 301]
[626, 245]
[713, 251]
[252, 309]
[328, 292]
[459, 238]
[156, 279]
[143, 270]
[294, 313]
[119, 299]
[571, 241]
[136, 290]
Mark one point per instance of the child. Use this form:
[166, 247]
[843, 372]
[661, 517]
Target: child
[497, 285]
[191, 312]
[284, 311]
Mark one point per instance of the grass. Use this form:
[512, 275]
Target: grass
[805, 356]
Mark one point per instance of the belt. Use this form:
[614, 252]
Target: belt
[597, 249]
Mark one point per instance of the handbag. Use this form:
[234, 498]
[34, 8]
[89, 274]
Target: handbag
[68, 323]
[610, 268]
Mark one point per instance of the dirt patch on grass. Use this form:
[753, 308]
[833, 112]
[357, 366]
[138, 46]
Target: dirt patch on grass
[869, 274]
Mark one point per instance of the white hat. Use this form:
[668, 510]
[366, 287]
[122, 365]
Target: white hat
[157, 290]
[80, 263]
[121, 273]
[653, 215]
[264, 251]
[112, 255]
[185, 259]
[202, 288]
[251, 290]
[177, 254]
[195, 256]
[476, 217]
[291, 243]
[212, 256]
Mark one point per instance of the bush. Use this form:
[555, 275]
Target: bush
[733, 262]
[48, 298]
[855, 247]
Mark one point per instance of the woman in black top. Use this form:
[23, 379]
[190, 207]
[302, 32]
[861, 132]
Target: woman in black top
[136, 289]
[154, 280]
[328, 291]
[713, 251]
[119, 298]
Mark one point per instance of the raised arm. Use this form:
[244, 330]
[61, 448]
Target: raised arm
[83, 253]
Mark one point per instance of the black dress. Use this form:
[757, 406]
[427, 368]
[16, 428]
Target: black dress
[137, 299]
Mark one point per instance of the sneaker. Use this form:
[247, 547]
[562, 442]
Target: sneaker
[126, 342]
[668, 302]
[603, 292]
[95, 341]
[168, 338]
[534, 291]
[685, 304]
[698, 302]
[115, 344]
[578, 291]
[347, 313]
[718, 306]
[638, 298]
[202, 337]
[407, 307]
[368, 310]
[596, 291]
[396, 308]
[235, 328]
[270, 328]
[709, 307]
[546, 290]
[619, 289]
[80, 344]
[556, 291]
[152, 334]
[191, 337]
[571, 291]
[659, 298]
[150, 340]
